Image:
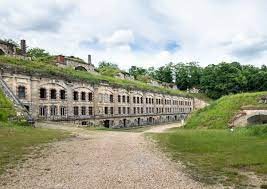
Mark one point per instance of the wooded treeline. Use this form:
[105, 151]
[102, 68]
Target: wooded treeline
[213, 80]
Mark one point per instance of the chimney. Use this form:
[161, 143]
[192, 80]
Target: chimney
[61, 59]
[89, 59]
[23, 47]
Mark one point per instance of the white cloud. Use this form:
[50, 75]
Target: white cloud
[136, 32]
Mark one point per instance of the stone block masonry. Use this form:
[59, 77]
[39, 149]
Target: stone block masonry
[95, 105]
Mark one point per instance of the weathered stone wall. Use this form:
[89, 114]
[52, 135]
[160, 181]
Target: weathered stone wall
[243, 117]
[100, 105]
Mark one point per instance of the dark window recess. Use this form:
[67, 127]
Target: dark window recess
[106, 110]
[21, 92]
[128, 99]
[128, 110]
[83, 96]
[111, 110]
[62, 94]
[134, 99]
[90, 110]
[124, 110]
[53, 110]
[90, 97]
[119, 110]
[43, 93]
[62, 111]
[53, 94]
[75, 95]
[76, 110]
[83, 110]
[123, 99]
[111, 99]
[119, 98]
[43, 111]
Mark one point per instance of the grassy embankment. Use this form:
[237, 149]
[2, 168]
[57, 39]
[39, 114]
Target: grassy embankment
[16, 140]
[46, 69]
[213, 153]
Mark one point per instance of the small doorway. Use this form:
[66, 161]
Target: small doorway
[124, 122]
[139, 121]
[106, 123]
[150, 120]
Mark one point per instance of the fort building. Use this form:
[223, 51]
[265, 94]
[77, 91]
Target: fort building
[84, 103]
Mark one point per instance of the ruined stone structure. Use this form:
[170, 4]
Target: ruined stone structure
[75, 63]
[249, 116]
[101, 105]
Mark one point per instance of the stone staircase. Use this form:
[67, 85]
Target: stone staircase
[20, 108]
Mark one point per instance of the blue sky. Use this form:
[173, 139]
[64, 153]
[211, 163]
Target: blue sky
[142, 32]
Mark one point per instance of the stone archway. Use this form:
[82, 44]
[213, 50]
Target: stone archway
[80, 68]
[257, 119]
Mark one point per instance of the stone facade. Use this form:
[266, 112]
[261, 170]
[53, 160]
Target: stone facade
[99, 105]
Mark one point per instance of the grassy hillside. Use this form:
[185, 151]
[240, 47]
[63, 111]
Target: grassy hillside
[220, 112]
[51, 70]
[17, 141]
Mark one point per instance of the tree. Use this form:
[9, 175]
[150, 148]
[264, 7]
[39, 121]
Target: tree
[39, 54]
[187, 75]
[222, 79]
[137, 72]
[108, 68]
[164, 73]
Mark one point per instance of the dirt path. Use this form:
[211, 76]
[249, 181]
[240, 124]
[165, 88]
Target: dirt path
[100, 159]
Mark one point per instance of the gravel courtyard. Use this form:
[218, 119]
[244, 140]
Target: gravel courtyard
[100, 159]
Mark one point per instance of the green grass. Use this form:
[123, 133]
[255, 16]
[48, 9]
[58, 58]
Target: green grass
[45, 69]
[221, 111]
[16, 142]
[214, 156]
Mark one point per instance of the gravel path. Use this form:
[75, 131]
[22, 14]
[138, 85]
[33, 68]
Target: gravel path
[100, 159]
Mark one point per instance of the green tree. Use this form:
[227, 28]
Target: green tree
[108, 68]
[222, 79]
[39, 54]
[137, 72]
[187, 75]
[164, 73]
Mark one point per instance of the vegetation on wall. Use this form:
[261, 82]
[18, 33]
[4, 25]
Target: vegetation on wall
[40, 68]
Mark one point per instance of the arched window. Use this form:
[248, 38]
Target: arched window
[83, 94]
[62, 94]
[21, 92]
[53, 94]
[43, 93]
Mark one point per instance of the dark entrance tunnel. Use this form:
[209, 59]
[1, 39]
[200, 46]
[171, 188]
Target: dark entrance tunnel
[80, 68]
[257, 119]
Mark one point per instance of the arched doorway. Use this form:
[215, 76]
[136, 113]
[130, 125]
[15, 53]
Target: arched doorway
[80, 68]
[124, 123]
[257, 119]
[106, 124]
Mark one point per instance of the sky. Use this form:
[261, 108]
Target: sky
[142, 32]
